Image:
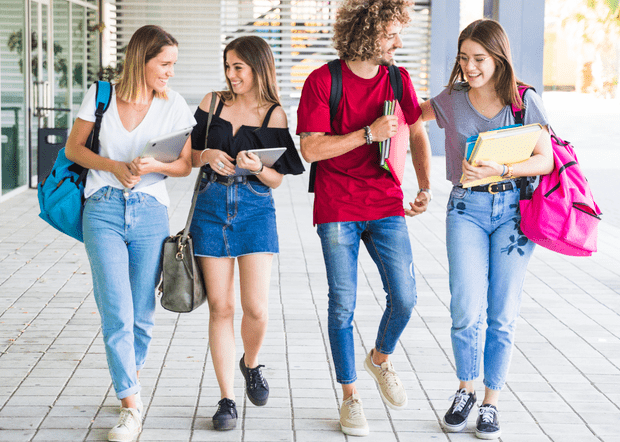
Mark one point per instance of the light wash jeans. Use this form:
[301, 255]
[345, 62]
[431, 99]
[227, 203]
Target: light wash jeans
[387, 242]
[123, 237]
[488, 257]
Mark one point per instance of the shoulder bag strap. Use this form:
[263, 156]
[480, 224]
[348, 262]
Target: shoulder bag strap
[200, 172]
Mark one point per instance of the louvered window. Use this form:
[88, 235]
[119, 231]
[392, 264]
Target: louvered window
[299, 32]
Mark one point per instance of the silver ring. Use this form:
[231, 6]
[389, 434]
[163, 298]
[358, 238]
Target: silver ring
[220, 164]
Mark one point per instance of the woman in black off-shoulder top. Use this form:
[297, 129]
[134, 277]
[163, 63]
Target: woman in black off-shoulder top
[235, 213]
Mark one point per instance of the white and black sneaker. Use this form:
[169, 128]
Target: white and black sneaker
[456, 417]
[487, 425]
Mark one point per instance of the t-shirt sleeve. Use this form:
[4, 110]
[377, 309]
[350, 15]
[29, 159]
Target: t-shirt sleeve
[182, 115]
[409, 102]
[198, 134]
[534, 109]
[289, 162]
[87, 109]
[313, 110]
[442, 108]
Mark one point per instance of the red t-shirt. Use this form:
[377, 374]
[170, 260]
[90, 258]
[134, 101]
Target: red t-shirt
[352, 186]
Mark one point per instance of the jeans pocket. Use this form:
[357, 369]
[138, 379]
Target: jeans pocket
[150, 200]
[258, 189]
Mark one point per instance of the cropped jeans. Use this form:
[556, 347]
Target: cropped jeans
[123, 236]
[488, 257]
[387, 242]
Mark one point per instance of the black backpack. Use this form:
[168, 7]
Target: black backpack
[335, 95]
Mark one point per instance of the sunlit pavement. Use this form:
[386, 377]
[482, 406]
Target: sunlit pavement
[564, 382]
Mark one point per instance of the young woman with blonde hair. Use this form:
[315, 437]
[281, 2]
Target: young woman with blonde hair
[125, 220]
[234, 218]
[487, 253]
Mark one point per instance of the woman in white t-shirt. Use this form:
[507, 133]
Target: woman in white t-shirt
[125, 223]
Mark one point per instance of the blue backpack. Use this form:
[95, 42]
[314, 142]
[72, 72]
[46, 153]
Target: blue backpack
[61, 193]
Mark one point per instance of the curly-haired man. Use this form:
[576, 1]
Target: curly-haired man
[356, 199]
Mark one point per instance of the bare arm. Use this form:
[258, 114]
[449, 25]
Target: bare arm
[76, 151]
[421, 157]
[316, 146]
[540, 163]
[427, 111]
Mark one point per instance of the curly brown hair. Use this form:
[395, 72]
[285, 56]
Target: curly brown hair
[361, 23]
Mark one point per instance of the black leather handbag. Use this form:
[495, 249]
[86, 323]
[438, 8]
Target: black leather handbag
[182, 286]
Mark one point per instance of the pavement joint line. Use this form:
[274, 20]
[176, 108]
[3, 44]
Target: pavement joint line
[286, 355]
[199, 396]
[326, 347]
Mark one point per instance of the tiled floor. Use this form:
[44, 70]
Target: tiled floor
[564, 383]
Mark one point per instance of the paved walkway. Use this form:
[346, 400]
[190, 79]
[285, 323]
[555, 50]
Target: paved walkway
[564, 383]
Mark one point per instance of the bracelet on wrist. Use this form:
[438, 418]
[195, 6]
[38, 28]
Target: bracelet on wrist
[510, 173]
[203, 151]
[258, 172]
[504, 170]
[428, 192]
[368, 135]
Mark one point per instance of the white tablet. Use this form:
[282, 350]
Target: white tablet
[167, 148]
[267, 156]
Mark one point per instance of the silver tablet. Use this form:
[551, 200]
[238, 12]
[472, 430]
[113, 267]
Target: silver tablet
[167, 148]
[267, 156]
[164, 148]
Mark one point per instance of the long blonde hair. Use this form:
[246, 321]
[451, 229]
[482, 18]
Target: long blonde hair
[256, 53]
[146, 43]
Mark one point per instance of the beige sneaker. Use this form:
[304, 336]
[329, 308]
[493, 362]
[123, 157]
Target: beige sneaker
[391, 388]
[128, 427]
[352, 419]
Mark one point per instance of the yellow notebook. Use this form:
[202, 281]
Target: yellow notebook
[504, 146]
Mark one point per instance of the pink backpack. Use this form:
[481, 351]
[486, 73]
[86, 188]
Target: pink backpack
[560, 214]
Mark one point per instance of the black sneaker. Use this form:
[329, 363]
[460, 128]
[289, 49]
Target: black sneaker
[456, 417]
[255, 384]
[487, 425]
[225, 418]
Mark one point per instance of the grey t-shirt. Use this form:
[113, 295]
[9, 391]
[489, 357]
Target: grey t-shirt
[455, 113]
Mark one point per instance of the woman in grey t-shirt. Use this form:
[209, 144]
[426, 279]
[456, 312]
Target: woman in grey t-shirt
[487, 253]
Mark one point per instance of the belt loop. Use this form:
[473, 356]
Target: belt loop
[108, 193]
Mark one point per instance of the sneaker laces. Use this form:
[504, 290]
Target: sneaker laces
[390, 376]
[256, 377]
[125, 418]
[228, 403]
[355, 408]
[462, 398]
[487, 413]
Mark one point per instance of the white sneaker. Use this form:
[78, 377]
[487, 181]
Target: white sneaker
[128, 427]
[352, 419]
[391, 388]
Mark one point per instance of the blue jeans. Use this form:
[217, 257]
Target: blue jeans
[387, 242]
[123, 239]
[488, 257]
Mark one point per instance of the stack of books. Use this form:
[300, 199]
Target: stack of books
[393, 151]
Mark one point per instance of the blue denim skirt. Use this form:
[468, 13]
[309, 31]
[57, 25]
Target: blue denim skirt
[235, 220]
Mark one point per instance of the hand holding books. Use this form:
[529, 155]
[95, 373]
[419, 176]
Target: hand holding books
[507, 145]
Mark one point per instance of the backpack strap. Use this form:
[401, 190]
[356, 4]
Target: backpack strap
[396, 80]
[519, 114]
[102, 103]
[335, 95]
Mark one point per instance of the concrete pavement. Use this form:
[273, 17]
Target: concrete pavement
[563, 386]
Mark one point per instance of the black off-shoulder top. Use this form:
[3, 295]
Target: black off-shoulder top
[246, 138]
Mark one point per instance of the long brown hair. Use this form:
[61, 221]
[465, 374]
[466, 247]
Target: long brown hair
[492, 37]
[146, 43]
[256, 53]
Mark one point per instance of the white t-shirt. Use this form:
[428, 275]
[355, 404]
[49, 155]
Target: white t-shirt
[116, 143]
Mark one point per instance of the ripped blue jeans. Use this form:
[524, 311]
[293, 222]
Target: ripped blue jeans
[488, 257]
[387, 242]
